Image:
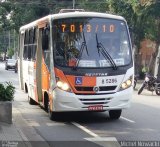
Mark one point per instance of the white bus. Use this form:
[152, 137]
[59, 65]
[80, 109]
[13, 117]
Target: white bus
[77, 61]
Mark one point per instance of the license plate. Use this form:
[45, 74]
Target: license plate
[95, 108]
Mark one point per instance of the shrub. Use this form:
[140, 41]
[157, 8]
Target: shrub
[7, 91]
[10, 52]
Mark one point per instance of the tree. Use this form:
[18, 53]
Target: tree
[10, 52]
[93, 5]
[5, 9]
[5, 25]
[150, 19]
[26, 12]
[152, 29]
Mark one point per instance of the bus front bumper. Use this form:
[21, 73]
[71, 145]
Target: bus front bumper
[67, 102]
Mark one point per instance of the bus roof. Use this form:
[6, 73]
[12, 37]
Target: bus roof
[86, 14]
[69, 15]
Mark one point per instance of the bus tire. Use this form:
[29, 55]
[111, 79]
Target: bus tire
[46, 101]
[51, 114]
[31, 101]
[26, 88]
[115, 114]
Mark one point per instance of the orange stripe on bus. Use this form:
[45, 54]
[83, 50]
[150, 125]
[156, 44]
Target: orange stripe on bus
[70, 79]
[60, 74]
[34, 66]
[86, 81]
[36, 95]
[45, 77]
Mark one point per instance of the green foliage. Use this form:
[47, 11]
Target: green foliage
[93, 5]
[152, 15]
[7, 92]
[10, 52]
[5, 9]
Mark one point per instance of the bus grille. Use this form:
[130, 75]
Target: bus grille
[101, 88]
[96, 101]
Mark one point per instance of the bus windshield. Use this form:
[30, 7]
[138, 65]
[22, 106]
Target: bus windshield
[84, 42]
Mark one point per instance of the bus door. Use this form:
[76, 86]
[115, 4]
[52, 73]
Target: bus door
[32, 48]
[38, 66]
[45, 63]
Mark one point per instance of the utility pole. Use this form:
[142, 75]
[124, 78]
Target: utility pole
[73, 4]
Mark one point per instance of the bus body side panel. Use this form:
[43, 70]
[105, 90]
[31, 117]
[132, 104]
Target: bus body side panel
[32, 80]
[25, 64]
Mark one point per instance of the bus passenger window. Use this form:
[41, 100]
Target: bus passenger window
[45, 38]
[29, 52]
[25, 49]
[25, 52]
[26, 39]
[45, 46]
[34, 44]
[33, 53]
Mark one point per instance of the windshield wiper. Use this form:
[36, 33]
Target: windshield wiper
[83, 45]
[102, 50]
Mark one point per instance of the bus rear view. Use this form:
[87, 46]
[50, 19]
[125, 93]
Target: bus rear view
[93, 64]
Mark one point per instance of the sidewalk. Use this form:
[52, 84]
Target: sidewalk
[19, 133]
[11, 135]
[9, 132]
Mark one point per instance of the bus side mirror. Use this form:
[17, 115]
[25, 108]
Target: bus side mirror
[45, 39]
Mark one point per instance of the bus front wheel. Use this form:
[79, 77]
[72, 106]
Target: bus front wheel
[115, 114]
[51, 114]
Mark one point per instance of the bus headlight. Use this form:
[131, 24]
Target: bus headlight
[126, 84]
[64, 86]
